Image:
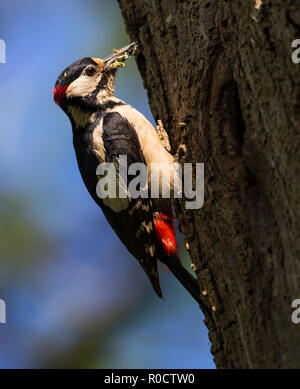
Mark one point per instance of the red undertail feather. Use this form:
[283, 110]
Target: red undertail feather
[164, 224]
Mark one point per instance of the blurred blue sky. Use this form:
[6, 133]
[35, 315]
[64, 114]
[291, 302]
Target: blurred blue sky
[74, 296]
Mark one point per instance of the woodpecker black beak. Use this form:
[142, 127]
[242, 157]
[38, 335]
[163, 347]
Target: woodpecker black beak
[118, 58]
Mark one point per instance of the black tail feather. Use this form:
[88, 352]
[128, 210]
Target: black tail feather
[187, 280]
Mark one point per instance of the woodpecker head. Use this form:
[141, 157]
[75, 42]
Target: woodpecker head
[90, 81]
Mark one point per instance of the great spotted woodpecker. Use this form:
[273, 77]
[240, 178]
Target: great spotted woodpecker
[105, 127]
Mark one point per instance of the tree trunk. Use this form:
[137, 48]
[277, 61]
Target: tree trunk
[219, 75]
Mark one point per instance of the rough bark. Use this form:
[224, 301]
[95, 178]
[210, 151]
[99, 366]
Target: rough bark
[224, 69]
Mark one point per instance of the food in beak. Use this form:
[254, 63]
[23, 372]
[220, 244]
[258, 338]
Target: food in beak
[118, 58]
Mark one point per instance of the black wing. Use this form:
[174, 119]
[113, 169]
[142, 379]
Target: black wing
[134, 225]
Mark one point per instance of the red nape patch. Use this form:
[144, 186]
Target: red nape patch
[165, 232]
[59, 93]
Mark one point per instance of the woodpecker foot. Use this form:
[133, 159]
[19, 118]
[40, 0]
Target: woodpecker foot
[163, 136]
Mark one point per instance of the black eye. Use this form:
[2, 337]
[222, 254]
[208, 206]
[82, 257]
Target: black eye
[90, 71]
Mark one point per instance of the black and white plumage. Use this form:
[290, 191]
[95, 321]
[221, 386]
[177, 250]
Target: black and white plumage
[105, 127]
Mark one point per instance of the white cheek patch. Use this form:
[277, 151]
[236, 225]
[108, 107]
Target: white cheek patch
[83, 86]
